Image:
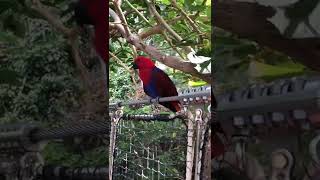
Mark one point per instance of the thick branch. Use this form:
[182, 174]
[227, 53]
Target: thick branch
[172, 45]
[70, 33]
[164, 23]
[76, 55]
[232, 15]
[54, 21]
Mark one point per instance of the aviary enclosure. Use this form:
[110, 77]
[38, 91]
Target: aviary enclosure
[169, 43]
[70, 110]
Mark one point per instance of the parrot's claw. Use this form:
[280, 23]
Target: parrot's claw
[155, 100]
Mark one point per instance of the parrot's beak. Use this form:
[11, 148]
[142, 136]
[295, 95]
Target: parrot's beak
[134, 65]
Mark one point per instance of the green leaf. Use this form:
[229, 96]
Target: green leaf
[269, 72]
[196, 83]
[166, 2]
[208, 11]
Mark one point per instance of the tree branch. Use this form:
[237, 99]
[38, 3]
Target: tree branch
[135, 10]
[198, 12]
[190, 21]
[71, 34]
[117, 5]
[232, 15]
[164, 23]
[54, 21]
[171, 61]
[125, 67]
[158, 28]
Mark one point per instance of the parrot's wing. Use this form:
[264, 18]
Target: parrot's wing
[150, 90]
[164, 85]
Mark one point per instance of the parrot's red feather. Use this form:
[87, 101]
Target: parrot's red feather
[98, 12]
[157, 83]
[166, 88]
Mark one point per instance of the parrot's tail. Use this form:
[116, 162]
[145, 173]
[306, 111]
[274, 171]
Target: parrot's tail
[174, 106]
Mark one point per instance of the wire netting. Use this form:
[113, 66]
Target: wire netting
[150, 150]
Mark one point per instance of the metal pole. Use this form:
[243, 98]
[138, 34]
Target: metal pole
[114, 122]
[198, 120]
[190, 147]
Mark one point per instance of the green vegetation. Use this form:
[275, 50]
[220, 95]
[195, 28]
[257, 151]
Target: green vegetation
[239, 62]
[167, 140]
[38, 79]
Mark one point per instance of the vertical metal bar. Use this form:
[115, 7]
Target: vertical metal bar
[190, 147]
[111, 148]
[198, 120]
[114, 122]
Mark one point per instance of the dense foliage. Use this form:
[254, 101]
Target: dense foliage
[47, 89]
[39, 80]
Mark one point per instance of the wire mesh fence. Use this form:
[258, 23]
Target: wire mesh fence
[150, 150]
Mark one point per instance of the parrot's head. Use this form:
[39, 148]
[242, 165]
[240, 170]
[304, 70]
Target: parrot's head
[142, 62]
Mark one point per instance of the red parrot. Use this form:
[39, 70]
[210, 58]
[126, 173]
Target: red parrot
[156, 83]
[94, 12]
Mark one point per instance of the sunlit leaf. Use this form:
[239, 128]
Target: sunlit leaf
[266, 71]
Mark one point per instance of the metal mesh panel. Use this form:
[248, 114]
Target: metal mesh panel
[150, 150]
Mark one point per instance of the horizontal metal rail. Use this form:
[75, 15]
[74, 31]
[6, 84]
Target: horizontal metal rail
[150, 117]
[278, 96]
[190, 95]
[22, 135]
[285, 104]
[87, 128]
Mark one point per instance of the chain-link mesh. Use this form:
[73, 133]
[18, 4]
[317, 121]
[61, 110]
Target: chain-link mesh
[87, 128]
[150, 150]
